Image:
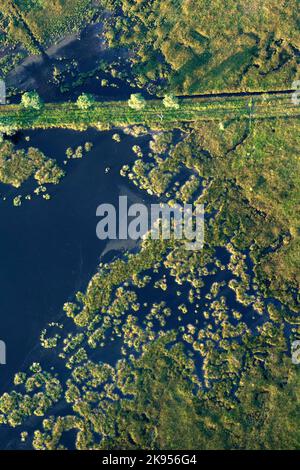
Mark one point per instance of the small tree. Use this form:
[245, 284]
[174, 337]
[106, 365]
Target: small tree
[32, 99]
[171, 101]
[137, 101]
[85, 101]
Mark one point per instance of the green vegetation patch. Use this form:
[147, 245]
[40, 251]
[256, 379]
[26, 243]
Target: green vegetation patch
[16, 166]
[37, 23]
[194, 46]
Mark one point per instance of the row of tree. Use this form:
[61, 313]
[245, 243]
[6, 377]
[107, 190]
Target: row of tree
[85, 101]
[138, 102]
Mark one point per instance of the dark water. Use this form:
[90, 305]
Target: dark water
[49, 249]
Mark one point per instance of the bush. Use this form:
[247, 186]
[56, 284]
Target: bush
[32, 100]
[137, 101]
[171, 101]
[85, 101]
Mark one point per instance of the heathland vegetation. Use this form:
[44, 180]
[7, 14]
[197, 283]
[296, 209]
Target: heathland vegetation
[191, 46]
[36, 23]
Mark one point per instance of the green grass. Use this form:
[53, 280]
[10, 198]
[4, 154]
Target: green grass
[110, 114]
[43, 20]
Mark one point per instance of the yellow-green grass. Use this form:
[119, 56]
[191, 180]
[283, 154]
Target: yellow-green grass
[118, 113]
